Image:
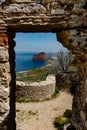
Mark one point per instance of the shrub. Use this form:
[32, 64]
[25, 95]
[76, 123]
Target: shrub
[63, 80]
[73, 88]
[67, 113]
[56, 89]
[60, 121]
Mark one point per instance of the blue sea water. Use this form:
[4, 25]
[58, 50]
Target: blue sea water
[24, 61]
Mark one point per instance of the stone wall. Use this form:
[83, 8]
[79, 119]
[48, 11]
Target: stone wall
[76, 41]
[36, 91]
[7, 83]
[68, 19]
[4, 79]
[52, 15]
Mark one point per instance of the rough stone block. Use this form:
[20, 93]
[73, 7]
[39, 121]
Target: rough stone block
[4, 93]
[4, 69]
[4, 56]
[57, 11]
[3, 39]
[3, 107]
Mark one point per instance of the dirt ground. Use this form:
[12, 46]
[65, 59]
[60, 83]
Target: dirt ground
[40, 115]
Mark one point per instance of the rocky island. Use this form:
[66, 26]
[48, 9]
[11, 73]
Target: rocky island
[42, 56]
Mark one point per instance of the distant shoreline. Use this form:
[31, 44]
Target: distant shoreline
[24, 61]
[49, 63]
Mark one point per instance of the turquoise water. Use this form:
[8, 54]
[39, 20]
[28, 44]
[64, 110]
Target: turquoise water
[24, 62]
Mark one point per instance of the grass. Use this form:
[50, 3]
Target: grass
[54, 95]
[34, 75]
[22, 100]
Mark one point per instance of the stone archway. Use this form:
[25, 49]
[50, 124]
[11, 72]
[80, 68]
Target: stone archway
[68, 18]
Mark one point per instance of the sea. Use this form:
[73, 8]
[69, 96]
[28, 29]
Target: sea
[24, 61]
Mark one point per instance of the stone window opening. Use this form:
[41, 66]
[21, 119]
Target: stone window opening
[52, 89]
[39, 46]
[8, 77]
[66, 18]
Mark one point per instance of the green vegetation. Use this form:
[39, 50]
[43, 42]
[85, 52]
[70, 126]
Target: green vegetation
[61, 67]
[33, 113]
[60, 121]
[22, 100]
[17, 110]
[34, 75]
[56, 90]
[67, 113]
[54, 95]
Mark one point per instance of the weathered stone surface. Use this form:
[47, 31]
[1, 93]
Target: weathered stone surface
[68, 18]
[3, 39]
[4, 54]
[4, 93]
[71, 13]
[21, 1]
[3, 107]
[57, 11]
[25, 8]
[36, 91]
[4, 67]
[73, 40]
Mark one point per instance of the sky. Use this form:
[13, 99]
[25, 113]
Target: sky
[37, 42]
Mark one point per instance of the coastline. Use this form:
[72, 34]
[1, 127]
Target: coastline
[24, 61]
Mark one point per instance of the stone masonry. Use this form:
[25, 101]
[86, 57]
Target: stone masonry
[36, 91]
[66, 18]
